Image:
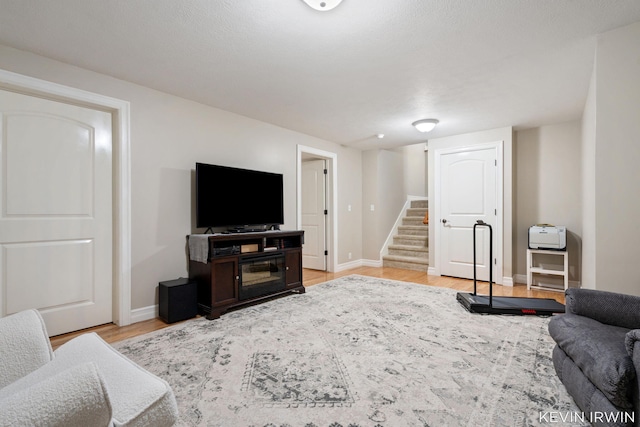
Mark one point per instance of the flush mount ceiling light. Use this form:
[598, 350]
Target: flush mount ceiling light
[322, 5]
[425, 125]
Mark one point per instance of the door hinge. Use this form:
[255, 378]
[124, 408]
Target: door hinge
[325, 171]
[326, 212]
[495, 261]
[495, 211]
[326, 252]
[495, 162]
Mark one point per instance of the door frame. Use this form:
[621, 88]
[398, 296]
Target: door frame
[332, 198]
[121, 173]
[498, 231]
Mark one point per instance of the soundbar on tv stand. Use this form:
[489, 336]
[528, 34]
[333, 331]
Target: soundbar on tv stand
[245, 229]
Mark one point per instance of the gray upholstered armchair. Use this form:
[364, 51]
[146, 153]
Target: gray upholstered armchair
[85, 382]
[597, 356]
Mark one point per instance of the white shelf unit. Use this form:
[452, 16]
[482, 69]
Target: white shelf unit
[532, 269]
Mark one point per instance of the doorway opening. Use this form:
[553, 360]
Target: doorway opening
[329, 213]
[120, 112]
[469, 186]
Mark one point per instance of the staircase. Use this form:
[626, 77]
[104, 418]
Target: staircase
[410, 248]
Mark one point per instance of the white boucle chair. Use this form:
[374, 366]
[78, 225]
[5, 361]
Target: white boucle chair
[85, 382]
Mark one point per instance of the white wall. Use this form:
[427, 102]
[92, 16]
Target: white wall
[168, 136]
[617, 150]
[548, 188]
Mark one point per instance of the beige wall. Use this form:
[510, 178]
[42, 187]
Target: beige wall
[392, 194]
[389, 177]
[350, 239]
[415, 169]
[548, 189]
[617, 150]
[168, 136]
[370, 221]
[588, 163]
[383, 190]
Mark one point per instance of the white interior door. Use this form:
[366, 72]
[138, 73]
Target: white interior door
[468, 193]
[314, 214]
[55, 212]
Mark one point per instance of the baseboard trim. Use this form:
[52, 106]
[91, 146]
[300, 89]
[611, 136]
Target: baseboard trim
[371, 263]
[145, 313]
[348, 265]
[522, 279]
[359, 263]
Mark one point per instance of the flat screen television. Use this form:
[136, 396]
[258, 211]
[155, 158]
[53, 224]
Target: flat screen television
[238, 198]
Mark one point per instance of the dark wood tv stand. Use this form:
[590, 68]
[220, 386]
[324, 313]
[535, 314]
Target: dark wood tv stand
[245, 268]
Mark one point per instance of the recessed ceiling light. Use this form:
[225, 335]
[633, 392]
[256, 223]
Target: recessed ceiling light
[380, 135]
[425, 125]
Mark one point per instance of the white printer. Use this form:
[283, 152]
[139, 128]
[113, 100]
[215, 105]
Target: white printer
[546, 236]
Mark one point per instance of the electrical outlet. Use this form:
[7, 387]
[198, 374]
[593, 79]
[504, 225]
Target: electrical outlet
[349, 255]
[372, 208]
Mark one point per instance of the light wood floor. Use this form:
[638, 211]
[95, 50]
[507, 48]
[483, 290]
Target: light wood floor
[112, 333]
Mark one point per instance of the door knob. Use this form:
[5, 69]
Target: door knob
[444, 221]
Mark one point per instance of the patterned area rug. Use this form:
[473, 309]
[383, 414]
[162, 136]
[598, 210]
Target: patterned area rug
[357, 351]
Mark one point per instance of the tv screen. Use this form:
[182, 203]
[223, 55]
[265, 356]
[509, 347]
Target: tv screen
[233, 197]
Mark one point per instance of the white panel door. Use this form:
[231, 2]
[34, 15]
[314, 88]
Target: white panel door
[55, 212]
[313, 214]
[468, 193]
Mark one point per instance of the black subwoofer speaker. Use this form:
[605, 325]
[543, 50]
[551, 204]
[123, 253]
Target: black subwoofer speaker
[178, 300]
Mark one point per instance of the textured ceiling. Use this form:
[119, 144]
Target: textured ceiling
[363, 68]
